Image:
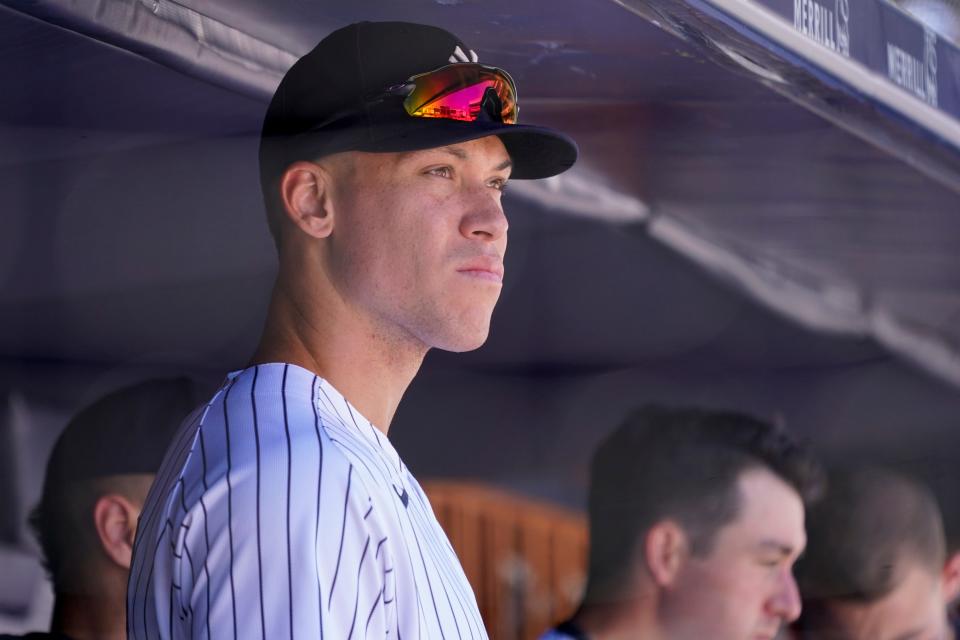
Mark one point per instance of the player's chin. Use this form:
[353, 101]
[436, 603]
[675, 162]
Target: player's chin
[465, 340]
[466, 332]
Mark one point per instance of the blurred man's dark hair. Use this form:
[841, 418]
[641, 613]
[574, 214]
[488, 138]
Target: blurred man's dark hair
[97, 479]
[875, 559]
[681, 464]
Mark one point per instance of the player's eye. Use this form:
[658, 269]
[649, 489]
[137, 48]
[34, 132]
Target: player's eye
[441, 172]
[499, 184]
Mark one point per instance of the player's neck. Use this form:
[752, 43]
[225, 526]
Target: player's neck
[619, 621]
[320, 334]
[89, 617]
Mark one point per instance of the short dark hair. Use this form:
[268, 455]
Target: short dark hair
[869, 524]
[682, 464]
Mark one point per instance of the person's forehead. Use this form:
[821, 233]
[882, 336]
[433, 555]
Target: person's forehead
[771, 511]
[910, 612]
[915, 595]
[366, 167]
[485, 149]
[765, 489]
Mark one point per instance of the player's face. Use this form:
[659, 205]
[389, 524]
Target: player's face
[914, 610]
[744, 588]
[420, 240]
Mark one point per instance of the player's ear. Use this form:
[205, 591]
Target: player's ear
[115, 520]
[305, 193]
[664, 550]
[951, 577]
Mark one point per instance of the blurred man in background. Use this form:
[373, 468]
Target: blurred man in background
[876, 565]
[696, 519]
[96, 481]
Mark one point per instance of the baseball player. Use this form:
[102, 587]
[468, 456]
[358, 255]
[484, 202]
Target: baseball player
[95, 484]
[282, 510]
[696, 519]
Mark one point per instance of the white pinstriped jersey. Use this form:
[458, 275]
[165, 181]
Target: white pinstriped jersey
[280, 512]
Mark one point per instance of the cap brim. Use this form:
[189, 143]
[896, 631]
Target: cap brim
[536, 152]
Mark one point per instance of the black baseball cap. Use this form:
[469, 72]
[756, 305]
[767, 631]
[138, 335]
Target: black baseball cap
[323, 104]
[125, 432]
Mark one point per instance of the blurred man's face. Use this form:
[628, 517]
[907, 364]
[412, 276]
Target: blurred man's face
[914, 610]
[744, 588]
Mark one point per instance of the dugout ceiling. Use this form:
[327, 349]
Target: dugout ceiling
[787, 167]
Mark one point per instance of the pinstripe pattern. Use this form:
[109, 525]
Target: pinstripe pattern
[280, 512]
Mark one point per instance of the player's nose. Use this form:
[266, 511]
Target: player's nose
[484, 218]
[785, 601]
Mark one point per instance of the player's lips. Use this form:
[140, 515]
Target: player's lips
[484, 268]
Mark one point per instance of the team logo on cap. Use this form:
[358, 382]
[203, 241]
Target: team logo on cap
[460, 56]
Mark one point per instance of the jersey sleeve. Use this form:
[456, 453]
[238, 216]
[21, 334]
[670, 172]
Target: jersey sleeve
[286, 544]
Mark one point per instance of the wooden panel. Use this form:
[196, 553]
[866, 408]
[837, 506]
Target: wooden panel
[526, 559]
